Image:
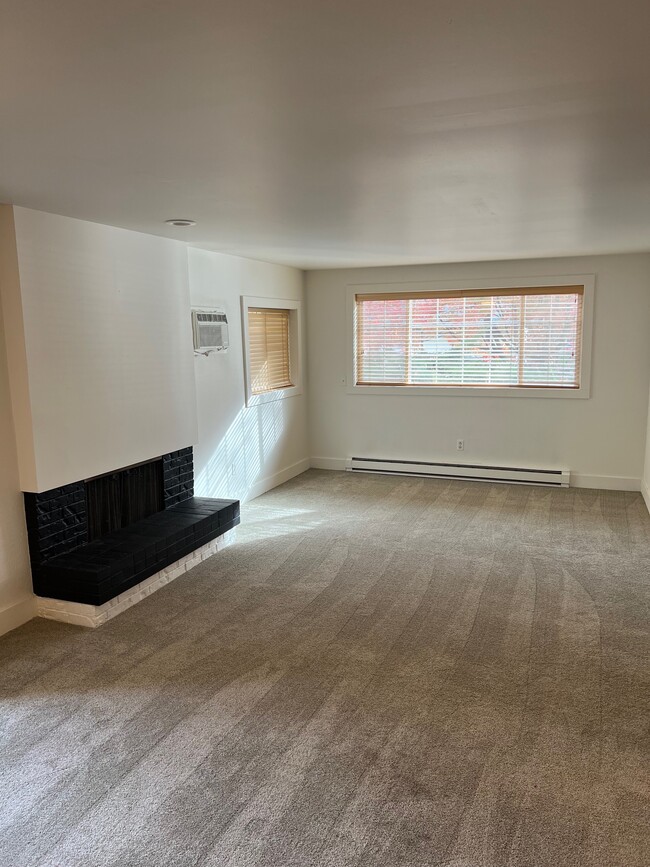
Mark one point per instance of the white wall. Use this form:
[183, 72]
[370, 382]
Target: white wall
[242, 451]
[16, 599]
[601, 439]
[103, 376]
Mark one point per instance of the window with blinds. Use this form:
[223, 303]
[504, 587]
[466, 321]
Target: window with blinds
[518, 338]
[268, 350]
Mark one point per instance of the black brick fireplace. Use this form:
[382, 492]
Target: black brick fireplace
[92, 540]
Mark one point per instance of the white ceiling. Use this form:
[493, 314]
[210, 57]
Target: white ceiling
[339, 132]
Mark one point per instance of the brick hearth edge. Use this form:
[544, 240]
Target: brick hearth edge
[95, 615]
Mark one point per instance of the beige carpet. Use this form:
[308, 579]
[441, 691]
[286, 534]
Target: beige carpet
[382, 671]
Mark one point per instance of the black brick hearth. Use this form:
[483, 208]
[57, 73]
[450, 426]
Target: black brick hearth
[66, 565]
[108, 566]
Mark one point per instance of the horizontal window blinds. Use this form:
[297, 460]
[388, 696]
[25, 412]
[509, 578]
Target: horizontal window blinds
[525, 338]
[268, 349]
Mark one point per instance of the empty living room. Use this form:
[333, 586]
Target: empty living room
[324, 433]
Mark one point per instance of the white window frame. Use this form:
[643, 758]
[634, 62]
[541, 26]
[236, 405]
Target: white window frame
[583, 391]
[295, 348]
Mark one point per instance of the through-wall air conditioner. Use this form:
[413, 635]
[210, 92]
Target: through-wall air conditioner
[210, 329]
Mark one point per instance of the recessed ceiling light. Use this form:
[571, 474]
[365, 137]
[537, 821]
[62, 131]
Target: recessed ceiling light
[181, 223]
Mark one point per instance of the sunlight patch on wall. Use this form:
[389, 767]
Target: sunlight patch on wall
[237, 461]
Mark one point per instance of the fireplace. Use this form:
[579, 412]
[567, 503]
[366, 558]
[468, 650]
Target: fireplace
[93, 539]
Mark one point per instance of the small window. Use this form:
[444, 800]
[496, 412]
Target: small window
[268, 338]
[273, 350]
[482, 338]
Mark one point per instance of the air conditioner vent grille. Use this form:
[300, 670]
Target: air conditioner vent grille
[211, 317]
[210, 330]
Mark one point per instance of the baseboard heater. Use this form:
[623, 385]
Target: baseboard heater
[467, 472]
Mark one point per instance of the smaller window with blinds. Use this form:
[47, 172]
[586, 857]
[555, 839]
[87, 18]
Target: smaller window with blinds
[519, 338]
[268, 347]
[271, 349]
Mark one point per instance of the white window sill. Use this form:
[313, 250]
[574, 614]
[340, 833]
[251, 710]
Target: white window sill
[272, 396]
[469, 391]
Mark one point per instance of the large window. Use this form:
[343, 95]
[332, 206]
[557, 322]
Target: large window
[268, 338]
[500, 338]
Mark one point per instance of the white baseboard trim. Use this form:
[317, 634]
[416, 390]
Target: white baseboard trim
[276, 479]
[645, 491]
[94, 615]
[605, 483]
[328, 463]
[18, 613]
[578, 480]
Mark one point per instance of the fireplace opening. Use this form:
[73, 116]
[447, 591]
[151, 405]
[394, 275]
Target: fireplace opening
[118, 499]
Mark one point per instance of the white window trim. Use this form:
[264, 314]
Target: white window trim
[295, 348]
[586, 280]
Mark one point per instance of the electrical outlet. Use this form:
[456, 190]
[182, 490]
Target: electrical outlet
[460, 445]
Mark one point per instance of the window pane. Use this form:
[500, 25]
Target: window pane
[521, 338]
[268, 336]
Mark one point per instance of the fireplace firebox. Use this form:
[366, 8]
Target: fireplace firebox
[116, 500]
